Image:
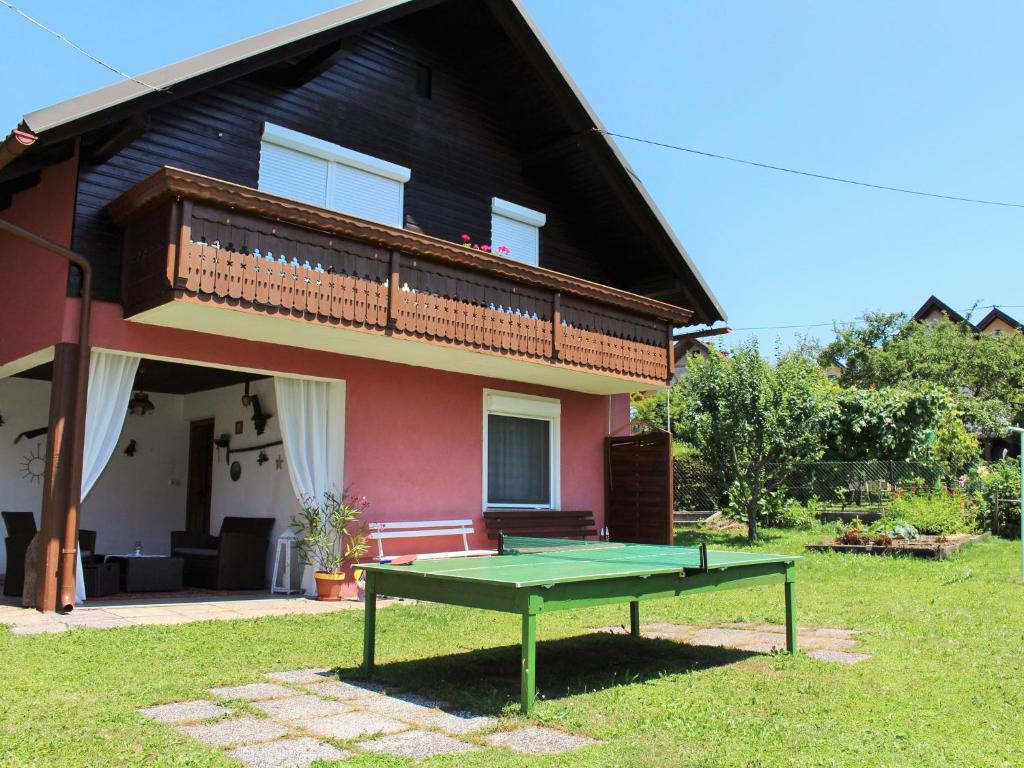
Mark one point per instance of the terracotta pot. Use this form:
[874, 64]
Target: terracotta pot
[329, 586]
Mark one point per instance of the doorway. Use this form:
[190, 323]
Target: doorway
[200, 476]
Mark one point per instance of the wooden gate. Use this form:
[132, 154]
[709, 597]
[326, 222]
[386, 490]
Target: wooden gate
[638, 488]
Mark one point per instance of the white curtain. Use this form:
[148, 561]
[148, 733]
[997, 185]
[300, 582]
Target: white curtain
[111, 377]
[312, 419]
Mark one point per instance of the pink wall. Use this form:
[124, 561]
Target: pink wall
[34, 285]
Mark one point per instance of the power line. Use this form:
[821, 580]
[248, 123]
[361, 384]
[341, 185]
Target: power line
[79, 48]
[809, 174]
[857, 320]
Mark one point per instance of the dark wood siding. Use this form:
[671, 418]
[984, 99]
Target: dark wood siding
[465, 144]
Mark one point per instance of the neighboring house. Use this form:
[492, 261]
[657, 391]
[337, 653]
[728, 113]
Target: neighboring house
[274, 229]
[996, 321]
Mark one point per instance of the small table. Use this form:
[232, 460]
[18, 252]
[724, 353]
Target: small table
[150, 573]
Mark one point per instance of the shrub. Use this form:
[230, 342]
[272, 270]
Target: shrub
[793, 514]
[938, 513]
[1000, 480]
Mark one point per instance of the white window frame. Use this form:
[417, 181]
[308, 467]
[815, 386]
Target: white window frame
[335, 153]
[549, 409]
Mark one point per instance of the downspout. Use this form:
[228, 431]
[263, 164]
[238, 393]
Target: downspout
[69, 549]
[15, 145]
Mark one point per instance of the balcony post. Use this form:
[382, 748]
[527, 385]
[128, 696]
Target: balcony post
[556, 325]
[394, 288]
[671, 353]
[180, 239]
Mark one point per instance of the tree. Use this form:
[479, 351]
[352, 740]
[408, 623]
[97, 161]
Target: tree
[753, 420]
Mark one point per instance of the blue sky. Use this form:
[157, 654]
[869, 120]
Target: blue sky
[913, 94]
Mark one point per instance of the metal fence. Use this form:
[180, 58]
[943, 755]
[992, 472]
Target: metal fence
[837, 485]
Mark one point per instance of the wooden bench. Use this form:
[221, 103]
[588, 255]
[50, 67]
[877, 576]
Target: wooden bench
[553, 524]
[419, 529]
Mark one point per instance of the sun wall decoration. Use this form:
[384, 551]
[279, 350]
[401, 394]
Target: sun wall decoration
[33, 463]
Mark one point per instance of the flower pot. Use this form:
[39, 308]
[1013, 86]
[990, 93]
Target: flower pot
[329, 586]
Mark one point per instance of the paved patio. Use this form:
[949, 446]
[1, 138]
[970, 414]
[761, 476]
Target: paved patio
[305, 715]
[142, 611]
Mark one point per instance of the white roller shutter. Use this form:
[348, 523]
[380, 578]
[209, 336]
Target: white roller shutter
[292, 174]
[367, 195]
[518, 229]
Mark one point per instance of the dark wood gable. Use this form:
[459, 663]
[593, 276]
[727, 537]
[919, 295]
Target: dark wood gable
[489, 128]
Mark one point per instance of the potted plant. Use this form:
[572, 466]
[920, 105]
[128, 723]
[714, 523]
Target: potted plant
[331, 537]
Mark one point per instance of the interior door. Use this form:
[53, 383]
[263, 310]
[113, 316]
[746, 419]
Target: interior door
[200, 476]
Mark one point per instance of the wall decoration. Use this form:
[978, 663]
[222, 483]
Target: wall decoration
[33, 464]
[130, 448]
[1, 419]
[140, 404]
[238, 427]
[279, 463]
[236, 471]
[259, 418]
[254, 448]
[262, 458]
[30, 433]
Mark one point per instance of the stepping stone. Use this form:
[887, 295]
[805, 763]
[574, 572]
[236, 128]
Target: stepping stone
[184, 712]
[839, 657]
[833, 632]
[302, 675]
[288, 753]
[241, 730]
[417, 745]
[337, 690]
[353, 725]
[252, 691]
[535, 740]
[457, 723]
[389, 706]
[298, 709]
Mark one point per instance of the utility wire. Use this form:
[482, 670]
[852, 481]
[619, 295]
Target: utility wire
[809, 174]
[858, 320]
[79, 48]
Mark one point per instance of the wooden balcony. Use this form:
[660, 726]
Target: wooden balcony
[194, 241]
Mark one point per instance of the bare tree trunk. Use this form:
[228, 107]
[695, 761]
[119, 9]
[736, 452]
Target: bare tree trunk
[752, 504]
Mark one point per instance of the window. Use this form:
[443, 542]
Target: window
[303, 168]
[522, 436]
[518, 229]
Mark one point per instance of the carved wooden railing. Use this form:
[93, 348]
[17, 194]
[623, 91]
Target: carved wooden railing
[189, 235]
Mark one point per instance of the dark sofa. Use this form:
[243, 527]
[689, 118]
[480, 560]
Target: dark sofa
[236, 559]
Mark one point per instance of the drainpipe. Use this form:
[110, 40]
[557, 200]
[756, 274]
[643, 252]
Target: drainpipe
[16, 143]
[69, 549]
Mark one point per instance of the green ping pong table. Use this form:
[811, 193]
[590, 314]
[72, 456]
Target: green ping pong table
[531, 576]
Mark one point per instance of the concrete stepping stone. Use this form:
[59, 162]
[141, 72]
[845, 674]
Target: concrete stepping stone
[535, 740]
[287, 753]
[390, 706]
[457, 723]
[353, 725]
[298, 709]
[252, 691]
[184, 711]
[839, 657]
[336, 689]
[237, 731]
[302, 675]
[417, 745]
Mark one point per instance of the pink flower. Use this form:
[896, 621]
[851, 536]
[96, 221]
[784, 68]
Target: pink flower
[485, 248]
[503, 249]
[466, 238]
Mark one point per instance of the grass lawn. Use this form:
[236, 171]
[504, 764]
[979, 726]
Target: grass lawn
[945, 683]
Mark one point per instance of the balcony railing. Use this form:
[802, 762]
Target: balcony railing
[188, 235]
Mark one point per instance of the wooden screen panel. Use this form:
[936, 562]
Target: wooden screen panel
[638, 488]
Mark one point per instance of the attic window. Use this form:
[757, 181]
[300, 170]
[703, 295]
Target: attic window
[424, 81]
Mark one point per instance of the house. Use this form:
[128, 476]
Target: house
[281, 292]
[996, 321]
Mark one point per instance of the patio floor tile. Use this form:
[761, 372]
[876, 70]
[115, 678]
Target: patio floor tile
[253, 691]
[457, 722]
[840, 657]
[353, 725]
[184, 712]
[302, 675]
[535, 740]
[287, 753]
[241, 730]
[302, 707]
[336, 689]
[417, 745]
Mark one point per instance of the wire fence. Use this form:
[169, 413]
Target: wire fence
[837, 485]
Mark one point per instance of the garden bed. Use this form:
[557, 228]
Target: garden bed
[931, 547]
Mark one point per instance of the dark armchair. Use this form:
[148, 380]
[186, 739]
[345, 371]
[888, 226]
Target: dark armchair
[21, 527]
[236, 559]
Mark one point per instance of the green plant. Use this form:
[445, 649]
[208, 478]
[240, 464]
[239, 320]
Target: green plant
[1000, 480]
[793, 514]
[937, 513]
[331, 535]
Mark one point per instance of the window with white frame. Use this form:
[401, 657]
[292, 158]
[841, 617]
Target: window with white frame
[318, 172]
[516, 228]
[521, 463]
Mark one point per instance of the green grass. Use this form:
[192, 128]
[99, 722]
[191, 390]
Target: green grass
[945, 684]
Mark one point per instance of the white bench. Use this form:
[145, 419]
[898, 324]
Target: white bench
[418, 529]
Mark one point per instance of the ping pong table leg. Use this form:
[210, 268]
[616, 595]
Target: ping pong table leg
[634, 618]
[791, 610]
[369, 623]
[528, 674]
